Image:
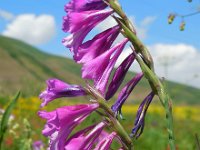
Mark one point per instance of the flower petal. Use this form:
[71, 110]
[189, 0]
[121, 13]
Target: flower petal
[106, 142]
[141, 113]
[95, 47]
[84, 5]
[103, 80]
[119, 76]
[62, 121]
[95, 68]
[125, 92]
[80, 24]
[81, 141]
[57, 89]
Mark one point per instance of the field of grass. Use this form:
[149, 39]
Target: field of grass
[186, 120]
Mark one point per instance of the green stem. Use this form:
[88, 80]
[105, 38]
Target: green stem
[111, 116]
[163, 96]
[131, 33]
[116, 124]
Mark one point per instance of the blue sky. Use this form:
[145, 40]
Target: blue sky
[149, 17]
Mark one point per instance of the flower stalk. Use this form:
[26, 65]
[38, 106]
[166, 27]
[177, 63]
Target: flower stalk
[147, 66]
[98, 57]
[165, 100]
[111, 118]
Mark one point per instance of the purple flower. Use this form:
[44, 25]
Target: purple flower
[38, 145]
[99, 69]
[84, 5]
[141, 113]
[119, 76]
[57, 89]
[125, 92]
[83, 141]
[106, 142]
[74, 40]
[80, 24]
[62, 121]
[95, 47]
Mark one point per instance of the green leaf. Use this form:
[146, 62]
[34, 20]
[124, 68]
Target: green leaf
[6, 115]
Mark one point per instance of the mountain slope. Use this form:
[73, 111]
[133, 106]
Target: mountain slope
[25, 67]
[22, 65]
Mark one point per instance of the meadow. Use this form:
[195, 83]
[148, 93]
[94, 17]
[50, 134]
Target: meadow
[186, 124]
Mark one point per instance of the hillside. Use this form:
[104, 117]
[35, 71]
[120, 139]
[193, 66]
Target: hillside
[26, 68]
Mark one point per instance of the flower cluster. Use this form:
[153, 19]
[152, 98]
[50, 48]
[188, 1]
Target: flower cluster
[98, 55]
[98, 58]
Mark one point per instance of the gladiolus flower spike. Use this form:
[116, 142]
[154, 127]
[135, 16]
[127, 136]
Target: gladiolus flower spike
[98, 57]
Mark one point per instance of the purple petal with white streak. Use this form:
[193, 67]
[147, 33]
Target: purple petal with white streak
[57, 89]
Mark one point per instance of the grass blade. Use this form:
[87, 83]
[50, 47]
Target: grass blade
[5, 117]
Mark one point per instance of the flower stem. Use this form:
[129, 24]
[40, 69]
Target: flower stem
[116, 124]
[111, 116]
[165, 100]
[147, 66]
[139, 46]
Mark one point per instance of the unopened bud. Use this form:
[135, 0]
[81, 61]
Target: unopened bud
[171, 18]
[182, 26]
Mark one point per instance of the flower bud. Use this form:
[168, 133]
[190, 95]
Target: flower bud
[182, 26]
[171, 18]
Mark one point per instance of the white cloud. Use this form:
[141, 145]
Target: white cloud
[148, 21]
[141, 27]
[6, 15]
[31, 28]
[176, 62]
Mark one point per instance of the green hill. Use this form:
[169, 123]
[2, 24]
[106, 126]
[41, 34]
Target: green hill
[26, 68]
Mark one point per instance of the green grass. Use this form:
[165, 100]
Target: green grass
[154, 137]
